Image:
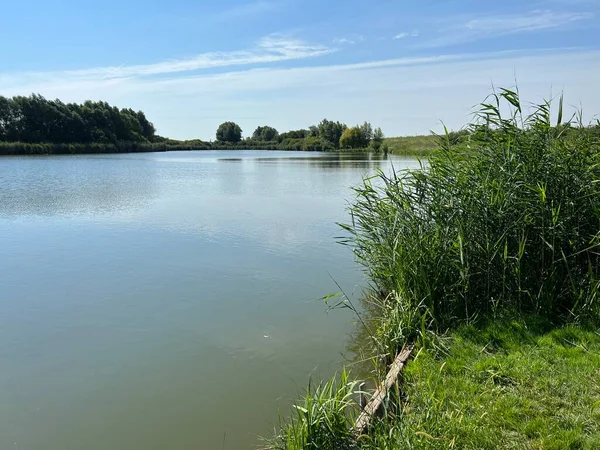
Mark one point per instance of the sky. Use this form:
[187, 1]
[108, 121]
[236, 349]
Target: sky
[406, 66]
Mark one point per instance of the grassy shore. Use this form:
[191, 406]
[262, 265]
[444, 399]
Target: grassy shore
[488, 262]
[411, 145]
[419, 146]
[506, 384]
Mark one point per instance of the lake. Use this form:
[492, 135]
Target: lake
[169, 300]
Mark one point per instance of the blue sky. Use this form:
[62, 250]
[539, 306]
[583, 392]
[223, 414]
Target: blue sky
[404, 66]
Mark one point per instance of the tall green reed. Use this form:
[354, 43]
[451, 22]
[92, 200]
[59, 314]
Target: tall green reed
[323, 419]
[509, 219]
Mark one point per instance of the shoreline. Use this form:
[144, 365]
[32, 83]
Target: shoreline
[409, 146]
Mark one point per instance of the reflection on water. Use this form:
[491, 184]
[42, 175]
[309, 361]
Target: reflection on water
[324, 160]
[55, 186]
[152, 301]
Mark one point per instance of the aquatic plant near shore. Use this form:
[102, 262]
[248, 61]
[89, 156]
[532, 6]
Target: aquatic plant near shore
[509, 220]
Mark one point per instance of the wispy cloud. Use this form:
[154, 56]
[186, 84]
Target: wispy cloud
[349, 40]
[475, 28]
[406, 34]
[404, 96]
[267, 50]
[536, 20]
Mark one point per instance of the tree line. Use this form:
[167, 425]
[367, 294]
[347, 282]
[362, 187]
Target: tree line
[35, 125]
[326, 136]
[35, 119]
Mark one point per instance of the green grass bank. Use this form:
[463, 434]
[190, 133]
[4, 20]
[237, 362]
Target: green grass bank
[488, 260]
[420, 146]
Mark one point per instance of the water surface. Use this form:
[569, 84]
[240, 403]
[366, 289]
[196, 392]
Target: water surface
[166, 300]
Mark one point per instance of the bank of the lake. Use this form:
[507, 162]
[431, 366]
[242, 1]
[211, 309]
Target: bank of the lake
[488, 264]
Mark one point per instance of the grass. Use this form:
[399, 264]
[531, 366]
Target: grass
[508, 221]
[411, 145]
[421, 145]
[321, 420]
[502, 222]
[507, 384]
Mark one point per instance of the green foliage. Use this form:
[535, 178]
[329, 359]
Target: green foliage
[293, 134]
[361, 137]
[366, 131]
[352, 138]
[265, 133]
[505, 384]
[36, 120]
[229, 132]
[331, 131]
[378, 138]
[322, 420]
[315, 144]
[24, 148]
[34, 125]
[507, 221]
[412, 145]
[313, 131]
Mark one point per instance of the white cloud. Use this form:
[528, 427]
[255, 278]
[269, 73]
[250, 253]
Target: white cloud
[405, 34]
[403, 96]
[349, 40]
[267, 50]
[343, 41]
[536, 20]
[472, 29]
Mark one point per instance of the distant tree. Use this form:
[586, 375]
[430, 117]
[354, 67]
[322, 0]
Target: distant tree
[312, 144]
[6, 120]
[257, 135]
[265, 133]
[377, 139]
[148, 130]
[229, 132]
[35, 119]
[293, 134]
[352, 138]
[313, 131]
[331, 131]
[367, 133]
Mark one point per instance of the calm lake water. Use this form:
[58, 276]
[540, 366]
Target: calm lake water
[167, 300]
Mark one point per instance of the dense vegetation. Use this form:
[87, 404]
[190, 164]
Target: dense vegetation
[229, 132]
[509, 221]
[36, 120]
[487, 259]
[326, 136]
[35, 125]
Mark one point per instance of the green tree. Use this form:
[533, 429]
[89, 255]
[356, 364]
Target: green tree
[352, 138]
[265, 133]
[293, 134]
[366, 131]
[35, 119]
[229, 132]
[331, 131]
[377, 139]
